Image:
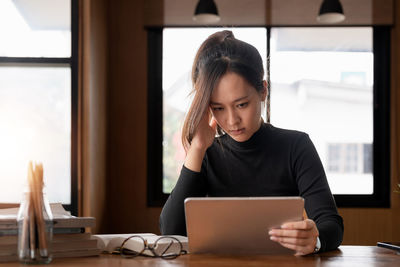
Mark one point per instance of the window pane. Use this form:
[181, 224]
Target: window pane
[351, 159]
[367, 157]
[333, 157]
[321, 81]
[35, 124]
[35, 28]
[177, 63]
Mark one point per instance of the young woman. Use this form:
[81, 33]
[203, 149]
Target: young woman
[248, 157]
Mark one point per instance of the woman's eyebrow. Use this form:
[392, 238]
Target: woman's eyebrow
[236, 100]
[241, 98]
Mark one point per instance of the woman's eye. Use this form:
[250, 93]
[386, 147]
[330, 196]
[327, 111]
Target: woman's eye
[243, 105]
[217, 108]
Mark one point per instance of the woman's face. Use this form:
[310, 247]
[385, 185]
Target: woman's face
[236, 106]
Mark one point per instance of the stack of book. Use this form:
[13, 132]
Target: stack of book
[69, 236]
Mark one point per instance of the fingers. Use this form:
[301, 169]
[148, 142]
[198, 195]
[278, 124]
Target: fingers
[205, 119]
[299, 236]
[301, 229]
[302, 246]
[290, 233]
[291, 240]
[213, 121]
[303, 225]
[300, 250]
[213, 124]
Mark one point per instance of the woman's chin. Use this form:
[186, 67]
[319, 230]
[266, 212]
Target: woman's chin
[239, 138]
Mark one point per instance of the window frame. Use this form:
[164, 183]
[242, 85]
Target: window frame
[71, 62]
[381, 122]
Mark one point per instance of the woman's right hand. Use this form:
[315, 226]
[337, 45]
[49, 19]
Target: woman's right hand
[205, 133]
[202, 139]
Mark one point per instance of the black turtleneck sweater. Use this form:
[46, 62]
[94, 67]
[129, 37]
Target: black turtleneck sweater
[273, 162]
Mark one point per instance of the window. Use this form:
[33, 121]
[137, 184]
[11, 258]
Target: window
[326, 82]
[334, 158]
[350, 167]
[330, 96]
[38, 97]
[340, 105]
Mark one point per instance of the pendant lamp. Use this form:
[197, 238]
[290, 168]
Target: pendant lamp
[206, 12]
[331, 11]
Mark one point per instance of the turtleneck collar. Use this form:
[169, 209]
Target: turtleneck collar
[252, 142]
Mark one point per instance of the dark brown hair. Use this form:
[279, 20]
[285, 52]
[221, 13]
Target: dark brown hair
[220, 53]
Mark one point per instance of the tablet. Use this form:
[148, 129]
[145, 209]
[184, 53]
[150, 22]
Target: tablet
[239, 225]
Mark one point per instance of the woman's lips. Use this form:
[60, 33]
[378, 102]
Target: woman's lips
[237, 132]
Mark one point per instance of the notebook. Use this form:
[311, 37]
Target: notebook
[239, 225]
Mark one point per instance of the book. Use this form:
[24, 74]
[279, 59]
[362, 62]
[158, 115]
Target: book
[69, 237]
[64, 245]
[110, 243]
[61, 218]
[8, 232]
[56, 246]
[13, 239]
[58, 254]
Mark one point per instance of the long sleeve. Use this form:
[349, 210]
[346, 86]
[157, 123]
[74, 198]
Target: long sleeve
[172, 218]
[313, 187]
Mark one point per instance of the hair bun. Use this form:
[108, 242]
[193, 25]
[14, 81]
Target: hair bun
[227, 35]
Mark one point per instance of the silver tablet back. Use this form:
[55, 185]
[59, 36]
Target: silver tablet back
[239, 225]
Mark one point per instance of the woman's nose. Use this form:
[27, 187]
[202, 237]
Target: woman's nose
[233, 118]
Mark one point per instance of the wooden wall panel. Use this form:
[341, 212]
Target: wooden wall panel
[395, 120]
[92, 110]
[127, 121]
[367, 226]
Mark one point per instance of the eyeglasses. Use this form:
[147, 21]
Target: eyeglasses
[166, 247]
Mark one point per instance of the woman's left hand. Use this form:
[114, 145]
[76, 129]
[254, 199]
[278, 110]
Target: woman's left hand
[299, 236]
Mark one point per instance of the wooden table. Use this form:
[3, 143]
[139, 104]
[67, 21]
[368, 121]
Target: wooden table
[352, 256]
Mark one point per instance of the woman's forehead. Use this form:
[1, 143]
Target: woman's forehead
[231, 88]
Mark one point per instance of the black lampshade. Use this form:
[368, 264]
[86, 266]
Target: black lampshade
[331, 11]
[206, 12]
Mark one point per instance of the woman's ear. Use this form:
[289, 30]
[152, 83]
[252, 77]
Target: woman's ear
[265, 91]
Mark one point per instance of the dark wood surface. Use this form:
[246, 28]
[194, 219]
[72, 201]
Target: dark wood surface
[352, 256]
